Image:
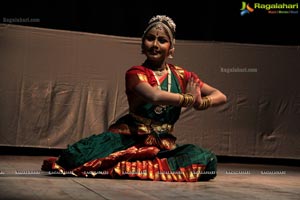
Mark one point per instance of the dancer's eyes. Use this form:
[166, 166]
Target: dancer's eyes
[160, 39]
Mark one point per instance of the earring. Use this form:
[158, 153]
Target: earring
[171, 53]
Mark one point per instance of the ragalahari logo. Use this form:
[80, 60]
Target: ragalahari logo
[246, 9]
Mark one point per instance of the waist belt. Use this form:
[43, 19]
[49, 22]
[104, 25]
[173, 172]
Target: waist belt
[156, 126]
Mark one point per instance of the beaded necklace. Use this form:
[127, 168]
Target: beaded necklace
[160, 108]
[169, 79]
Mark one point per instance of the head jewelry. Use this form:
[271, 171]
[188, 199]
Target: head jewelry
[165, 22]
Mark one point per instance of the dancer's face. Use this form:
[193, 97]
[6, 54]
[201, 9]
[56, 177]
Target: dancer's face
[156, 44]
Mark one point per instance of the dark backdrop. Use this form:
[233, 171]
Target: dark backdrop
[208, 20]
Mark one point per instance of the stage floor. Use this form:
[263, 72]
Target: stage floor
[21, 178]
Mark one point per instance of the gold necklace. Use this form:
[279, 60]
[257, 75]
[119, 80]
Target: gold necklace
[160, 108]
[159, 73]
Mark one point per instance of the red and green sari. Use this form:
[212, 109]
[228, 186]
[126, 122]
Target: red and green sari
[140, 144]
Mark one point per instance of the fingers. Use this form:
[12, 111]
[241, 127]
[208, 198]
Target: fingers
[193, 83]
[190, 81]
[193, 87]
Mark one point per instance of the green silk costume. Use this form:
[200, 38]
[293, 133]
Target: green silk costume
[143, 134]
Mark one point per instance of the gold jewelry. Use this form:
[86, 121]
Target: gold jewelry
[186, 100]
[159, 73]
[169, 79]
[205, 103]
[181, 98]
[161, 108]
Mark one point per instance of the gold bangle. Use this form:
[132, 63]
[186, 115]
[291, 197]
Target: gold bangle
[187, 100]
[181, 98]
[205, 103]
[209, 101]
